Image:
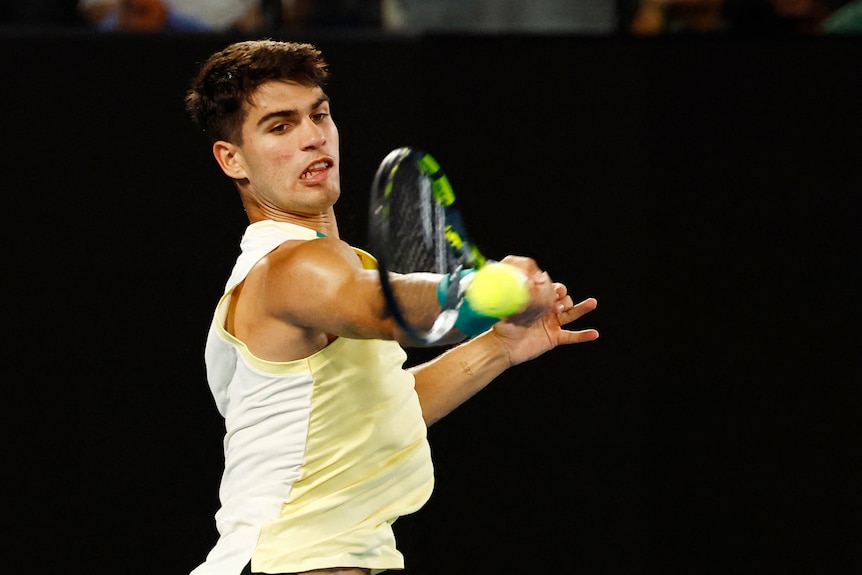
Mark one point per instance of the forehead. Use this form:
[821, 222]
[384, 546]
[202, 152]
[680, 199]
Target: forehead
[283, 95]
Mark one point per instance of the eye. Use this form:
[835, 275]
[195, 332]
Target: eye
[282, 127]
[319, 117]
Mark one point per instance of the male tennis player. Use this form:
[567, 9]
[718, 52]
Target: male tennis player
[325, 443]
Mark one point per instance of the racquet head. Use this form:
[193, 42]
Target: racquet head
[415, 226]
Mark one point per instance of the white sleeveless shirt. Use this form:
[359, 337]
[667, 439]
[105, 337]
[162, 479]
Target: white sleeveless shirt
[322, 454]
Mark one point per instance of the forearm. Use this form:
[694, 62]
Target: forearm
[455, 376]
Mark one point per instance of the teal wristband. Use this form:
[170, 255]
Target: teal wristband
[469, 322]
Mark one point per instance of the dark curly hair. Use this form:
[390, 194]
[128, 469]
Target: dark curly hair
[217, 96]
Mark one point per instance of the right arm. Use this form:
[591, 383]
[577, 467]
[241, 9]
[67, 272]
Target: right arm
[305, 293]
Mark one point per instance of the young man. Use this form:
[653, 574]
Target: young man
[325, 443]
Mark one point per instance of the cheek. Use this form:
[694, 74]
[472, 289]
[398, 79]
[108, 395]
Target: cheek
[332, 140]
[264, 163]
[272, 158]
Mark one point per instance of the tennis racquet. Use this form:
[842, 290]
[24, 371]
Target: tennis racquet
[415, 226]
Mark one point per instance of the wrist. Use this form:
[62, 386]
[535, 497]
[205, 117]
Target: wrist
[501, 345]
[469, 322]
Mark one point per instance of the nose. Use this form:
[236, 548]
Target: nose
[313, 134]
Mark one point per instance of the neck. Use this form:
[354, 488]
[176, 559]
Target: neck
[323, 223]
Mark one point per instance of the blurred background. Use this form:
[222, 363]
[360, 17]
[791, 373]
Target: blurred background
[695, 165]
[637, 17]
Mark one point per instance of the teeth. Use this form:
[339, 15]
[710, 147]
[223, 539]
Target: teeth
[313, 167]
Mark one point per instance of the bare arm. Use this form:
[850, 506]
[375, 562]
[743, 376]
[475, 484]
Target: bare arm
[305, 293]
[452, 378]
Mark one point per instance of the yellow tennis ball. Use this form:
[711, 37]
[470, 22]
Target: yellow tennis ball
[498, 290]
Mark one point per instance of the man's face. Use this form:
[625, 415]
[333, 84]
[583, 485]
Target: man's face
[289, 150]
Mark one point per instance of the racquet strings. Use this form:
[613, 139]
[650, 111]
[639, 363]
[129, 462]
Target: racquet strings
[417, 224]
[410, 236]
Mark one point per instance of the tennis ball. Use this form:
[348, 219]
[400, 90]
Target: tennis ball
[498, 290]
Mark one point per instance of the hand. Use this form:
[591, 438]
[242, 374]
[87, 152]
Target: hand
[525, 338]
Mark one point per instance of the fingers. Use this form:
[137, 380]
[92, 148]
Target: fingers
[563, 305]
[580, 336]
[526, 265]
[568, 312]
[561, 290]
[564, 301]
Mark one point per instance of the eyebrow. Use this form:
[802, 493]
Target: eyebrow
[291, 113]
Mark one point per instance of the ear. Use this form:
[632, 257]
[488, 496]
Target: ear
[229, 158]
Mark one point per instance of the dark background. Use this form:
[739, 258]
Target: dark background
[703, 189]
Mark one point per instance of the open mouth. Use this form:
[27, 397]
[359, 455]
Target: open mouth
[315, 169]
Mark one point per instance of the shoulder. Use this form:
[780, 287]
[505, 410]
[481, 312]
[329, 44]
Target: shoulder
[316, 262]
[319, 286]
[311, 255]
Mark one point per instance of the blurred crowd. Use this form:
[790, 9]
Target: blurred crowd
[627, 17]
[804, 17]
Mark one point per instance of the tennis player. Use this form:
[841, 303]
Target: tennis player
[325, 442]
